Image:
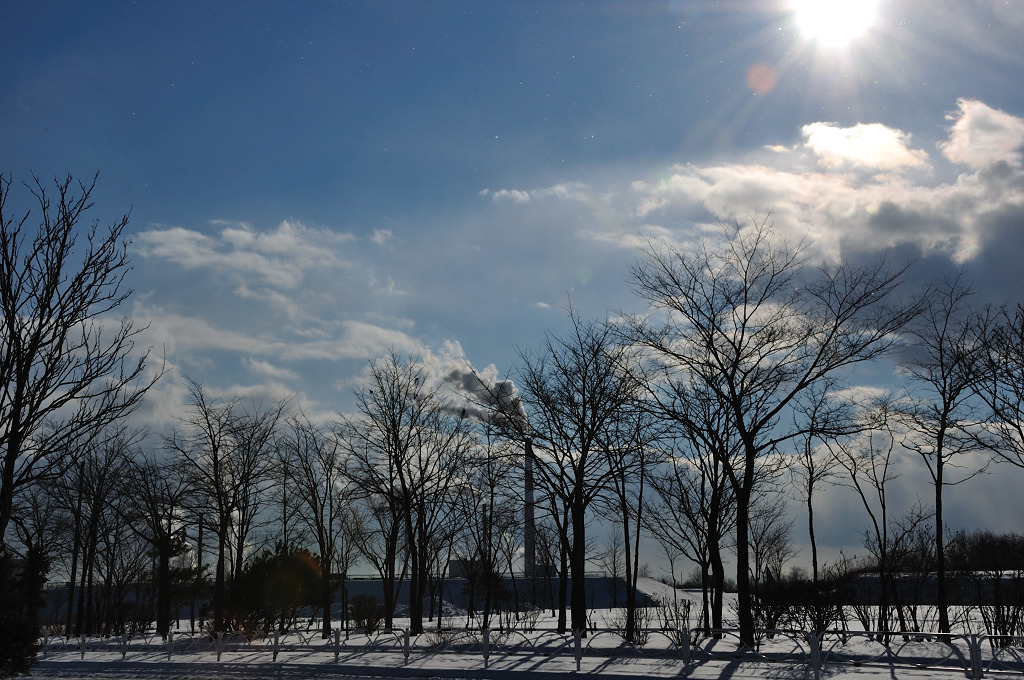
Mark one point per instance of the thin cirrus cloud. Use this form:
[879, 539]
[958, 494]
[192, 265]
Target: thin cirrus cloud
[566, 190]
[279, 257]
[274, 300]
[186, 334]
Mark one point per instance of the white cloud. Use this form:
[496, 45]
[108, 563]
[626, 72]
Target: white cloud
[289, 301]
[873, 147]
[680, 184]
[511, 194]
[575, 191]
[266, 369]
[185, 335]
[383, 237]
[981, 135]
[844, 208]
[278, 258]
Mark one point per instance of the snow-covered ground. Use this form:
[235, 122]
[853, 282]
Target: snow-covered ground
[515, 654]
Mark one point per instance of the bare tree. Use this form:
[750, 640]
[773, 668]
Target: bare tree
[223, 447]
[316, 463]
[94, 487]
[631, 445]
[770, 545]
[407, 446]
[488, 509]
[154, 495]
[942, 417]
[746, 317]
[576, 390]
[612, 560]
[254, 433]
[1002, 389]
[696, 509]
[67, 372]
[380, 543]
[868, 461]
[812, 464]
[43, 526]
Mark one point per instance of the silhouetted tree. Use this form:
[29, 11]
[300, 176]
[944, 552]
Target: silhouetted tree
[695, 510]
[317, 466]
[223, 448]
[869, 462]
[67, 368]
[407, 447]
[746, 317]
[1002, 387]
[155, 493]
[577, 390]
[942, 416]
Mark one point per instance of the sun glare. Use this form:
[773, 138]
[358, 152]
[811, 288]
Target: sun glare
[833, 23]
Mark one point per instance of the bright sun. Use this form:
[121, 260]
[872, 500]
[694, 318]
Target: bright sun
[834, 23]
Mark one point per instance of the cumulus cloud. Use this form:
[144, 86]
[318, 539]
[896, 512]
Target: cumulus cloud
[861, 188]
[981, 135]
[873, 147]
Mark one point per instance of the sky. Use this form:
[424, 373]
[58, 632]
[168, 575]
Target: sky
[312, 184]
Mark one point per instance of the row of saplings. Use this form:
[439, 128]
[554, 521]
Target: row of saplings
[986, 574]
[985, 586]
[985, 578]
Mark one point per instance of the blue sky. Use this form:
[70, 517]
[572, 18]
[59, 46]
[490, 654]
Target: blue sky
[312, 183]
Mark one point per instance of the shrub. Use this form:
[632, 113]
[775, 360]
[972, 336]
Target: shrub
[270, 592]
[366, 613]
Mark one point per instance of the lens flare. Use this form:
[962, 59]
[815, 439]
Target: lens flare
[762, 78]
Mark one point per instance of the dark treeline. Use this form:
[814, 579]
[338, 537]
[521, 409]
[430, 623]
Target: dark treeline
[690, 425]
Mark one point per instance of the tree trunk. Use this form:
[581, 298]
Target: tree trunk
[563, 587]
[941, 598]
[744, 597]
[388, 578]
[717, 589]
[11, 456]
[326, 599]
[163, 595]
[578, 566]
[814, 543]
[218, 580]
[416, 578]
[76, 548]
